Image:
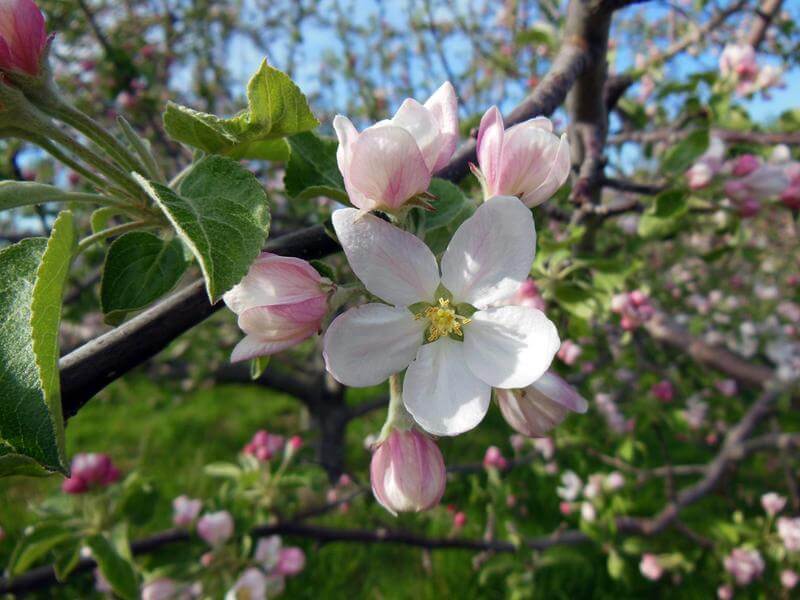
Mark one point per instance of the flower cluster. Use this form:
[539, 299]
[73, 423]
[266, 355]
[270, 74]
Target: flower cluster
[738, 63]
[634, 309]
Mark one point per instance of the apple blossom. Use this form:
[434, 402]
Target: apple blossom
[456, 344]
[215, 528]
[745, 565]
[541, 406]
[614, 481]
[251, 585]
[264, 445]
[738, 61]
[527, 160]
[494, 459]
[588, 512]
[280, 302]
[291, 561]
[23, 36]
[407, 472]
[162, 588]
[789, 578]
[725, 592]
[650, 567]
[90, 470]
[571, 486]
[773, 503]
[389, 163]
[545, 447]
[185, 510]
[633, 307]
[789, 532]
[526, 295]
[695, 413]
[767, 181]
[569, 352]
[744, 165]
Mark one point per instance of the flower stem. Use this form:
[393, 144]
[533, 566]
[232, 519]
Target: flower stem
[397, 416]
[111, 231]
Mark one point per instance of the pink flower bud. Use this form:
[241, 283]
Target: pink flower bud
[291, 561]
[699, 176]
[749, 207]
[264, 445]
[789, 532]
[407, 472]
[789, 579]
[215, 528]
[725, 592]
[389, 163]
[791, 196]
[569, 352]
[459, 519]
[207, 559]
[663, 390]
[650, 567]
[528, 160]
[23, 36]
[160, 589]
[90, 471]
[739, 61]
[765, 182]
[727, 387]
[528, 295]
[185, 510]
[565, 508]
[280, 302]
[744, 165]
[493, 459]
[538, 408]
[614, 481]
[295, 443]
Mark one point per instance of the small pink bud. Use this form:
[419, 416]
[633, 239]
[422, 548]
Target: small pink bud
[493, 459]
[23, 36]
[663, 390]
[650, 567]
[569, 352]
[749, 207]
[744, 165]
[291, 561]
[264, 445]
[565, 508]
[215, 528]
[207, 559]
[459, 519]
[185, 510]
[89, 471]
[280, 302]
[295, 443]
[344, 480]
[725, 592]
[407, 472]
[745, 565]
[772, 503]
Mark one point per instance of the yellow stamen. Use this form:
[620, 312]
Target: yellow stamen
[443, 320]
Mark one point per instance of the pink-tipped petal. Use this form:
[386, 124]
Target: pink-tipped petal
[22, 36]
[393, 264]
[443, 105]
[491, 253]
[366, 344]
[510, 346]
[490, 147]
[387, 167]
[559, 171]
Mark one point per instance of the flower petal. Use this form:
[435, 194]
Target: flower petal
[559, 171]
[274, 279]
[441, 393]
[387, 166]
[252, 346]
[347, 135]
[491, 253]
[558, 390]
[367, 344]
[443, 105]
[419, 122]
[490, 146]
[510, 346]
[527, 158]
[393, 264]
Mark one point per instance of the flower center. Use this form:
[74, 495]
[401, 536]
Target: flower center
[443, 320]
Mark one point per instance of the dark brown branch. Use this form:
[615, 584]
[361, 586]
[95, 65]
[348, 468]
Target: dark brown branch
[647, 189]
[763, 19]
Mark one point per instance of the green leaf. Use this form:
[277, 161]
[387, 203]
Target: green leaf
[32, 278]
[221, 213]
[450, 201]
[257, 366]
[276, 104]
[100, 217]
[25, 193]
[36, 543]
[118, 571]
[575, 299]
[663, 218]
[276, 108]
[140, 267]
[616, 565]
[67, 558]
[684, 153]
[139, 498]
[312, 170]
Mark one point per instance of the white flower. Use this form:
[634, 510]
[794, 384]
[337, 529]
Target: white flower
[251, 585]
[571, 486]
[448, 384]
